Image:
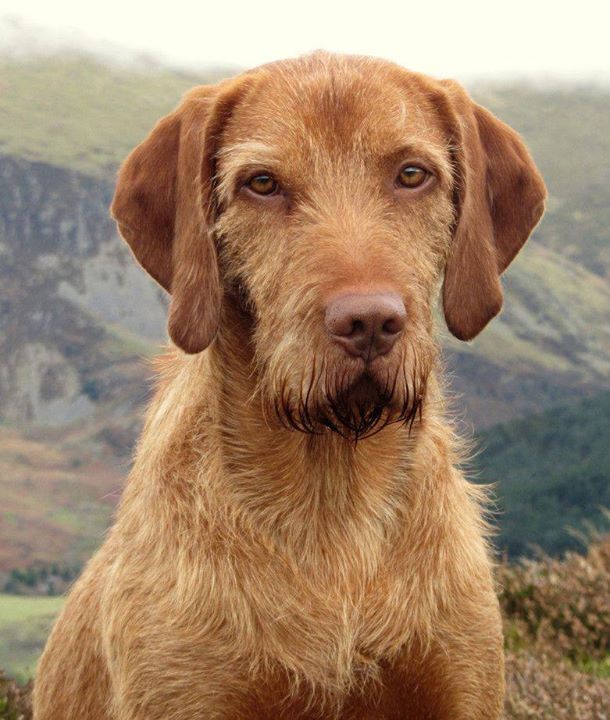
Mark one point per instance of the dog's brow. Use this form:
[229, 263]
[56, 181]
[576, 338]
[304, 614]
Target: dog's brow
[235, 159]
[247, 149]
[238, 159]
[426, 152]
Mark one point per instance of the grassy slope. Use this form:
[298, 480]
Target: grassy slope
[58, 493]
[552, 305]
[566, 129]
[78, 113]
[75, 113]
[552, 334]
[64, 482]
[553, 474]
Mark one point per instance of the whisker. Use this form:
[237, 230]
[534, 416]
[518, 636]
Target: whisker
[324, 400]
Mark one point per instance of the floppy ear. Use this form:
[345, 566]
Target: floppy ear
[162, 208]
[500, 199]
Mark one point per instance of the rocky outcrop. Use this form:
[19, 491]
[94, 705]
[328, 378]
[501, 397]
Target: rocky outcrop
[76, 313]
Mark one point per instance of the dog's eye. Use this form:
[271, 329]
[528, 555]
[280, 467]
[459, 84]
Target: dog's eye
[262, 184]
[412, 176]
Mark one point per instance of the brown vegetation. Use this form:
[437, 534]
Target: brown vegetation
[561, 604]
[543, 686]
[59, 490]
[557, 630]
[15, 701]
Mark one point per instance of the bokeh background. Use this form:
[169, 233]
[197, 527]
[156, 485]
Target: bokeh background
[82, 83]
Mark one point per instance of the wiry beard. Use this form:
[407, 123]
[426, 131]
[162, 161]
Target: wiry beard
[356, 409]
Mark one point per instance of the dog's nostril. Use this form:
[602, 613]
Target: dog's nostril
[392, 325]
[358, 328]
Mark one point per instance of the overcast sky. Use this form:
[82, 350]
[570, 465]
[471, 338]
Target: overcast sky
[462, 38]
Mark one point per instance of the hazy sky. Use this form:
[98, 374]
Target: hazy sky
[463, 38]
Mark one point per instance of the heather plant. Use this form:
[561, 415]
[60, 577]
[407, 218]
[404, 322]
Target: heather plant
[541, 686]
[14, 700]
[563, 604]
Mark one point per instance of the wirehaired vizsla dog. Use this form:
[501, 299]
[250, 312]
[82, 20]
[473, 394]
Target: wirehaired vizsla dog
[296, 540]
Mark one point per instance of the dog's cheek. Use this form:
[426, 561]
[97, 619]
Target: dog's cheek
[257, 264]
[429, 226]
[252, 243]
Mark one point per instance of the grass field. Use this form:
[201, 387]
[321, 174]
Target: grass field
[24, 625]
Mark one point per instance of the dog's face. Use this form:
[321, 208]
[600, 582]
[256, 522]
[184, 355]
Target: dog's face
[335, 193]
[328, 197]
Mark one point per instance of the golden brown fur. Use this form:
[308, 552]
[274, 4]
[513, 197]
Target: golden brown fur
[296, 540]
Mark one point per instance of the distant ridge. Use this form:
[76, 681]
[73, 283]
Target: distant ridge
[553, 475]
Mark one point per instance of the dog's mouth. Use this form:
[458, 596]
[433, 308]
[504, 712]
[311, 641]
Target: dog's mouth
[357, 409]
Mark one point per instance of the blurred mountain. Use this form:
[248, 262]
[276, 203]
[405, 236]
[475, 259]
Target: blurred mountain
[78, 318]
[566, 129]
[76, 112]
[552, 341]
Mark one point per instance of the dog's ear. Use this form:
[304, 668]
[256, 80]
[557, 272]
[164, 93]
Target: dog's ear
[500, 199]
[163, 206]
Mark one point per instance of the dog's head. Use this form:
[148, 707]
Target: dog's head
[327, 197]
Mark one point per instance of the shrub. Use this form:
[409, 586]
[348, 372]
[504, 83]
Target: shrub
[545, 687]
[561, 604]
[15, 703]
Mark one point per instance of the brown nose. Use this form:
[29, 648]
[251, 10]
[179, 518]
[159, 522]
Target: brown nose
[366, 325]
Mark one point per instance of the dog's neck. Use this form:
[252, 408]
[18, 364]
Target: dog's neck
[305, 490]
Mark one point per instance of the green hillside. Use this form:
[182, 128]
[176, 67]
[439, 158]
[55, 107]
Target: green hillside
[65, 124]
[553, 475]
[75, 112]
[550, 344]
[58, 488]
[552, 339]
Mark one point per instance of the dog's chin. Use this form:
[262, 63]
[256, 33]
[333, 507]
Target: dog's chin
[358, 409]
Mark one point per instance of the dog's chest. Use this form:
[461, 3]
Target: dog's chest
[341, 643]
[326, 627]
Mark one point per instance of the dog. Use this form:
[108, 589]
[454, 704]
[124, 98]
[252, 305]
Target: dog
[296, 539]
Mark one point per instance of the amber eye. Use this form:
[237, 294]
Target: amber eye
[412, 176]
[262, 184]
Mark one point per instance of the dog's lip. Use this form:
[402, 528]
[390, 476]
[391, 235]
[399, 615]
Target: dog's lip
[361, 367]
[366, 389]
[373, 370]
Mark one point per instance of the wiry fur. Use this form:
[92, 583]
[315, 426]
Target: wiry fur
[296, 539]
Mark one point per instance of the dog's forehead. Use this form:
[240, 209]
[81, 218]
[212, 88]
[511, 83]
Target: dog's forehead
[337, 102]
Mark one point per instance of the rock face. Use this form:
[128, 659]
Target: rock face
[76, 313]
